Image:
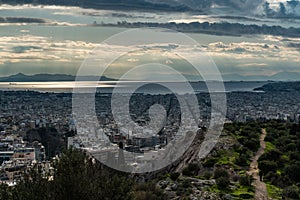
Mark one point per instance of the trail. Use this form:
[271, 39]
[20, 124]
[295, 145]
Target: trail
[260, 187]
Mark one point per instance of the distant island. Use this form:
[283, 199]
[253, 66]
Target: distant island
[20, 77]
[280, 87]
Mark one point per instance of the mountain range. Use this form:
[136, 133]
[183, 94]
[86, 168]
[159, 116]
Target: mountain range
[281, 76]
[20, 77]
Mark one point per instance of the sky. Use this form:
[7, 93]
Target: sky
[249, 7]
[63, 41]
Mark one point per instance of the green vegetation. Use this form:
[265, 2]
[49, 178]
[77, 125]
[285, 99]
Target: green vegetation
[148, 191]
[223, 172]
[280, 164]
[274, 192]
[174, 176]
[269, 147]
[243, 192]
[77, 176]
[245, 180]
[230, 159]
[240, 142]
[191, 170]
[53, 142]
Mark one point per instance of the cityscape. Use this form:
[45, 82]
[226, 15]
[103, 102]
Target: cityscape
[150, 100]
[53, 111]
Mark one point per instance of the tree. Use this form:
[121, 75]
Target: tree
[293, 171]
[267, 166]
[174, 176]
[220, 172]
[222, 178]
[291, 192]
[34, 185]
[76, 176]
[148, 191]
[245, 180]
[242, 160]
[5, 192]
[191, 170]
[223, 182]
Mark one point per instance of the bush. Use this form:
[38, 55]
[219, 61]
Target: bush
[223, 182]
[186, 184]
[148, 191]
[252, 144]
[222, 178]
[186, 172]
[291, 192]
[76, 176]
[293, 171]
[245, 180]
[291, 147]
[210, 162]
[242, 160]
[266, 166]
[207, 175]
[174, 176]
[191, 170]
[220, 172]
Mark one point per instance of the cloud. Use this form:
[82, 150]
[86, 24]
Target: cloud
[243, 47]
[256, 51]
[240, 4]
[267, 53]
[269, 8]
[294, 45]
[29, 48]
[132, 60]
[22, 20]
[253, 64]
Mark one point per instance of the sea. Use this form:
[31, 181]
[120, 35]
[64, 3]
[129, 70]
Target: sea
[128, 87]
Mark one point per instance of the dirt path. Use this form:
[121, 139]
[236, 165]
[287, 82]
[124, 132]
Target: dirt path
[260, 187]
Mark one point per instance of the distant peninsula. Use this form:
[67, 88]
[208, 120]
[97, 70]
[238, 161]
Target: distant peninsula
[280, 87]
[20, 77]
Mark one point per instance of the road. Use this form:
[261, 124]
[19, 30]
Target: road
[260, 187]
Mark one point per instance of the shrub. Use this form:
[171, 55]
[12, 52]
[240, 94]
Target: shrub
[207, 175]
[222, 178]
[174, 176]
[210, 162]
[191, 170]
[220, 172]
[245, 180]
[223, 182]
[242, 160]
[266, 166]
[291, 192]
[293, 171]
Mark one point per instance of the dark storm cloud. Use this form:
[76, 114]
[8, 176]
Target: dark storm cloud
[240, 4]
[294, 45]
[21, 20]
[290, 8]
[205, 4]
